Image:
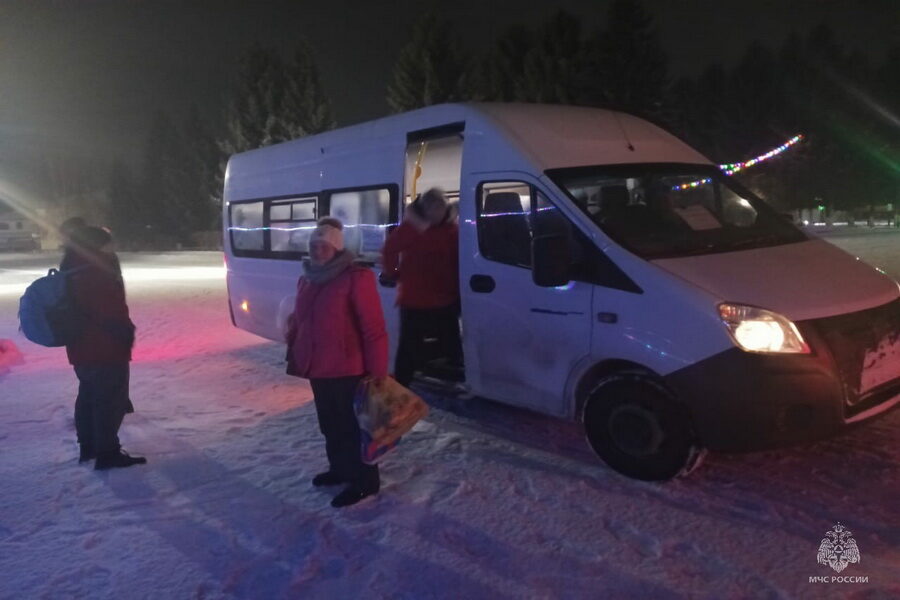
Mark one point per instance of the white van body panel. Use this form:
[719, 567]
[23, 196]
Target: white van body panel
[521, 341]
[268, 288]
[806, 280]
[672, 324]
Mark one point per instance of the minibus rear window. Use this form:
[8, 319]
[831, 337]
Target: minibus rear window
[670, 210]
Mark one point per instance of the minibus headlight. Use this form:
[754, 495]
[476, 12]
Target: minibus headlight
[758, 330]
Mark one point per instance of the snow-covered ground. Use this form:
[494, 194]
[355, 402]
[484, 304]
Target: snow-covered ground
[480, 501]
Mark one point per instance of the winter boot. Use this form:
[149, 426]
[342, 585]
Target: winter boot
[117, 459]
[350, 496]
[328, 478]
[86, 453]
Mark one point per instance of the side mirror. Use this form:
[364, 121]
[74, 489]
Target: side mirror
[551, 256]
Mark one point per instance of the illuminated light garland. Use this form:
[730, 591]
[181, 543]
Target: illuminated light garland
[732, 168]
[692, 184]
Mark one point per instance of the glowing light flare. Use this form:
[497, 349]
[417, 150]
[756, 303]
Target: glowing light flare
[24, 204]
[245, 306]
[758, 330]
[760, 336]
[310, 227]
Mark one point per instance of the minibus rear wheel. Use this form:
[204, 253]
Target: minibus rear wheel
[639, 429]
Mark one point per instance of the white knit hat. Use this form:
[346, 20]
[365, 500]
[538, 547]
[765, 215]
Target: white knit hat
[329, 230]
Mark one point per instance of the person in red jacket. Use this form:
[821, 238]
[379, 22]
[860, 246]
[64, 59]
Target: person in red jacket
[337, 337]
[102, 351]
[422, 254]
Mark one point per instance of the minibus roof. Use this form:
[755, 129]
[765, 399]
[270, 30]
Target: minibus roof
[573, 136]
[546, 136]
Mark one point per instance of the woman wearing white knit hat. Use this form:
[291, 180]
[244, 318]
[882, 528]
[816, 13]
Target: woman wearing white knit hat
[336, 337]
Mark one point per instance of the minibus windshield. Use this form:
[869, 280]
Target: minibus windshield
[671, 210]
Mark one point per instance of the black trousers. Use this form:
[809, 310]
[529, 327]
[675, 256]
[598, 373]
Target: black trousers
[101, 405]
[416, 324]
[337, 422]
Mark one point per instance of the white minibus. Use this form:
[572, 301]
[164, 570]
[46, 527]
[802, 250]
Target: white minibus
[609, 274]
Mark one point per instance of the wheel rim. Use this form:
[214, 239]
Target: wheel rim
[635, 430]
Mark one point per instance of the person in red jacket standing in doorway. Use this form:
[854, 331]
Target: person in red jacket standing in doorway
[102, 351]
[336, 337]
[422, 254]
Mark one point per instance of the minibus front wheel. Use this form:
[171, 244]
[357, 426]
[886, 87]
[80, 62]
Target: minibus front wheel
[637, 427]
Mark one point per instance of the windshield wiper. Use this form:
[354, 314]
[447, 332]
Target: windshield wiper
[755, 241]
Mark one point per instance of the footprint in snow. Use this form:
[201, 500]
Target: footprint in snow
[647, 545]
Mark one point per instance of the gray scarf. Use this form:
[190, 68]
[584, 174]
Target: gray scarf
[320, 274]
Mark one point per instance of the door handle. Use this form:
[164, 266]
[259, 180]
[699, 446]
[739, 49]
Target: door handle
[483, 284]
[547, 311]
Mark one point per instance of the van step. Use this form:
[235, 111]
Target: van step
[442, 387]
[441, 369]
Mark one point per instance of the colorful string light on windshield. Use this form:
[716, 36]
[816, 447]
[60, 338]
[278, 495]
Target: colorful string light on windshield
[732, 168]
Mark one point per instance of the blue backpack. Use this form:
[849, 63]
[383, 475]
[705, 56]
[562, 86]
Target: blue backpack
[47, 315]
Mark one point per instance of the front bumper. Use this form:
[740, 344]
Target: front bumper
[742, 401]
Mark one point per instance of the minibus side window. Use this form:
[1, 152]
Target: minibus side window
[247, 227]
[507, 223]
[291, 222]
[365, 215]
[504, 233]
[548, 220]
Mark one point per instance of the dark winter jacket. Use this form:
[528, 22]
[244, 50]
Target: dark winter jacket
[96, 289]
[425, 263]
[337, 329]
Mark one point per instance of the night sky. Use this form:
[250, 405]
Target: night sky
[86, 76]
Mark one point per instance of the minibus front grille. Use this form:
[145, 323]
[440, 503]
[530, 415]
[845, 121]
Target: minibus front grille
[864, 346]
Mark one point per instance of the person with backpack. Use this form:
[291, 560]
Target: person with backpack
[67, 232]
[336, 338]
[101, 351]
[422, 255]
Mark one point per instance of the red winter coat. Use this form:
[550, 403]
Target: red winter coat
[337, 329]
[428, 272]
[97, 291]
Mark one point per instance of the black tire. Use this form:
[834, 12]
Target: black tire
[636, 426]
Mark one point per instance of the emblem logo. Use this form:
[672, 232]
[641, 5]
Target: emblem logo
[838, 549]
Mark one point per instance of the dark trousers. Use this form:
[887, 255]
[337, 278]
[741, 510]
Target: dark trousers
[337, 422]
[101, 405]
[416, 324]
